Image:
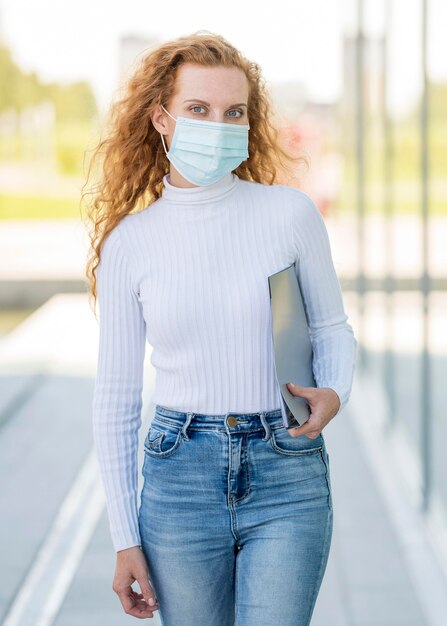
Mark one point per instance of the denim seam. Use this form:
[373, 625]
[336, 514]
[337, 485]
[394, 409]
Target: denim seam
[233, 516]
[166, 422]
[302, 452]
[323, 563]
[247, 491]
[165, 453]
[329, 498]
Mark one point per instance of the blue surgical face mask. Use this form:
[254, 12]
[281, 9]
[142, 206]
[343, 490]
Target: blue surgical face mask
[203, 152]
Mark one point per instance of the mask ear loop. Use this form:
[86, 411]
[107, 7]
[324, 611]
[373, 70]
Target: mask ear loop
[168, 113]
[162, 138]
[164, 145]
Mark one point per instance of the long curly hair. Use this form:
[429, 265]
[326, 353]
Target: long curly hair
[129, 159]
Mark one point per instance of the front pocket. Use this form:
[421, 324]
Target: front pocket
[162, 440]
[282, 442]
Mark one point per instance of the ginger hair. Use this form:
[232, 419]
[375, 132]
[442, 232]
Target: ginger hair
[129, 156]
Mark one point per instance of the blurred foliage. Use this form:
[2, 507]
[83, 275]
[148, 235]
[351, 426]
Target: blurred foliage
[72, 101]
[75, 114]
[406, 165]
[73, 138]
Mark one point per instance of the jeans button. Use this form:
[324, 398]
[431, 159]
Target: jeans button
[231, 421]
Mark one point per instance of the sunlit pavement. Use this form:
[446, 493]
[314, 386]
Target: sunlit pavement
[54, 531]
[47, 468]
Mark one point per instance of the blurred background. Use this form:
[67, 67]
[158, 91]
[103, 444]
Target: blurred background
[361, 86]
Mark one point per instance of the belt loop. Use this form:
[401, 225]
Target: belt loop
[266, 425]
[185, 426]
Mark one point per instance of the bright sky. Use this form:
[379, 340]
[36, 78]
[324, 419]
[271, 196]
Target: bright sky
[292, 40]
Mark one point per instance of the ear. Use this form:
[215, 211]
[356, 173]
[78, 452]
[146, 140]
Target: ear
[159, 121]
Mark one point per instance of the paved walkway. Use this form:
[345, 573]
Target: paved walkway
[54, 534]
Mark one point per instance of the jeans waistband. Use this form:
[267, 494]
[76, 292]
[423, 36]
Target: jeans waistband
[231, 421]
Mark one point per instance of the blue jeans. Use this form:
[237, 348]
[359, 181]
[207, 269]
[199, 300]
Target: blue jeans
[235, 519]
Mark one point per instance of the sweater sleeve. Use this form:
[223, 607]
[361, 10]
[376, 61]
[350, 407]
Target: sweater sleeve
[333, 342]
[117, 398]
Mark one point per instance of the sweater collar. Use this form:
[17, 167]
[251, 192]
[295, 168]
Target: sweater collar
[197, 195]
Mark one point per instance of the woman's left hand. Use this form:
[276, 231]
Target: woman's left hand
[324, 404]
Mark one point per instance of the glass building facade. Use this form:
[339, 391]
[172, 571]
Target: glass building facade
[393, 138]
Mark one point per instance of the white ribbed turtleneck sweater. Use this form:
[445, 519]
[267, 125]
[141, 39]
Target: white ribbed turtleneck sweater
[189, 275]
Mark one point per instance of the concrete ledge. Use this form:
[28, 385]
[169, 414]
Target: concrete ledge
[32, 293]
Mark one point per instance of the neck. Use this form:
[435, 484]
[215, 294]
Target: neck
[177, 180]
[198, 194]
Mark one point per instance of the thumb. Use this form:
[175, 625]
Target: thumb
[297, 390]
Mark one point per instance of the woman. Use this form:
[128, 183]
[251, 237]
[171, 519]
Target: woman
[235, 520]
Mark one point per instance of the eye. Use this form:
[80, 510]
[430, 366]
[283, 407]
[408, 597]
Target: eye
[241, 113]
[196, 106]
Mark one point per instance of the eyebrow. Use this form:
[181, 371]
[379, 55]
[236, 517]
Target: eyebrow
[241, 104]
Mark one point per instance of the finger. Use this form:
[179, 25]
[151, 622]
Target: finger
[308, 428]
[132, 605]
[138, 597]
[142, 606]
[146, 590]
[310, 434]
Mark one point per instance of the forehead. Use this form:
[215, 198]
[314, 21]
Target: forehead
[199, 81]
